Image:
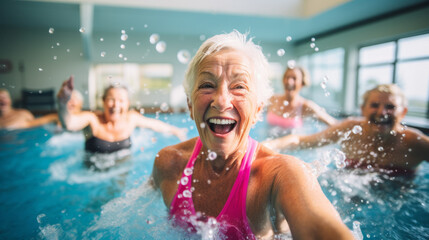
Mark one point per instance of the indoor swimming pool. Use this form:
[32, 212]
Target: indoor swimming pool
[48, 193]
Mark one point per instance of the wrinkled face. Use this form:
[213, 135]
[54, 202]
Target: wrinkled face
[223, 101]
[292, 80]
[5, 101]
[116, 104]
[383, 111]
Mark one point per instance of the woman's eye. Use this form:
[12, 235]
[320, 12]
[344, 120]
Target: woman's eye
[205, 85]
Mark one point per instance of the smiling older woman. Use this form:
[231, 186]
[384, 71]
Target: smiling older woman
[109, 131]
[251, 191]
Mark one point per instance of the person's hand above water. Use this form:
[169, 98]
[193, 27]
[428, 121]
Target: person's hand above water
[66, 90]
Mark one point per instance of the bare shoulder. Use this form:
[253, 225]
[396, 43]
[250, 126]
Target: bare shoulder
[174, 156]
[414, 135]
[274, 165]
[24, 113]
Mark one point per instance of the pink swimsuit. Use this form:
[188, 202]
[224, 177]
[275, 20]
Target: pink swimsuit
[233, 219]
[276, 120]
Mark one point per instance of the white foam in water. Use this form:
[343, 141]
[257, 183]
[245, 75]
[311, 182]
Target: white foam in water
[357, 232]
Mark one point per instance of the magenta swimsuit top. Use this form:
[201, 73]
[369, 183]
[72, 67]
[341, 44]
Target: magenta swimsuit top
[233, 218]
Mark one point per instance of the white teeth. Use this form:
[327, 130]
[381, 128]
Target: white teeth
[221, 121]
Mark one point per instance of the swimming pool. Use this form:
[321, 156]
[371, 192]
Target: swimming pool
[47, 193]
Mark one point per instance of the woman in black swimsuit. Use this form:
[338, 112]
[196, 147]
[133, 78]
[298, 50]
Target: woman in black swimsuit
[109, 131]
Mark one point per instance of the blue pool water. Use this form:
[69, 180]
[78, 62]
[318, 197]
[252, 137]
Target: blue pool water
[47, 193]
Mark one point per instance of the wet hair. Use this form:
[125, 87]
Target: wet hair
[392, 89]
[305, 75]
[237, 41]
[115, 85]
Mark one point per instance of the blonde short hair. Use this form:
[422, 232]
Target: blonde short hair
[305, 75]
[392, 89]
[233, 40]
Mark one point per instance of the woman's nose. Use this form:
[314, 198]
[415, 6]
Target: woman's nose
[222, 99]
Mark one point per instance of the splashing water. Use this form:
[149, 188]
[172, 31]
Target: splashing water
[212, 156]
[154, 38]
[357, 129]
[164, 107]
[183, 56]
[82, 29]
[312, 45]
[357, 232]
[288, 38]
[281, 52]
[51, 31]
[122, 46]
[188, 171]
[161, 46]
[291, 63]
[103, 54]
[124, 36]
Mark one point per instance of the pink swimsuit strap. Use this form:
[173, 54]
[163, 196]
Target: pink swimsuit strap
[233, 218]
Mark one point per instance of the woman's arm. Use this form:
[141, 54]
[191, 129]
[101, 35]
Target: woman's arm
[310, 215]
[157, 125]
[70, 121]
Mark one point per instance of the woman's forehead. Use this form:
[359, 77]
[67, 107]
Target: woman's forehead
[227, 57]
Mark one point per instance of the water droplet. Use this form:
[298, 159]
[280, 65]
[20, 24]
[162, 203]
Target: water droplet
[55, 57]
[40, 217]
[40, 69]
[380, 149]
[138, 43]
[202, 125]
[209, 181]
[101, 39]
[40, 91]
[313, 39]
[58, 44]
[124, 37]
[141, 111]
[51, 31]
[154, 38]
[68, 50]
[291, 63]
[212, 156]
[339, 157]
[285, 102]
[184, 180]
[102, 54]
[288, 38]
[188, 171]
[285, 115]
[312, 45]
[164, 107]
[202, 37]
[357, 129]
[280, 52]
[123, 31]
[122, 46]
[120, 55]
[160, 47]
[393, 132]
[183, 56]
[145, 26]
[82, 29]
[334, 193]
[187, 194]
[316, 49]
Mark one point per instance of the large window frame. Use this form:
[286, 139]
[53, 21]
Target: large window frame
[394, 65]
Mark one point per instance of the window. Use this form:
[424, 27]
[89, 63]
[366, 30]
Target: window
[326, 75]
[149, 84]
[405, 62]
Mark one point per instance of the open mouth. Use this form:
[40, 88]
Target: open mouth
[386, 120]
[221, 125]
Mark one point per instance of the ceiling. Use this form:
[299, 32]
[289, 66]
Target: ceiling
[267, 20]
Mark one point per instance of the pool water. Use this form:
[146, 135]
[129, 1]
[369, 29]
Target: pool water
[48, 193]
